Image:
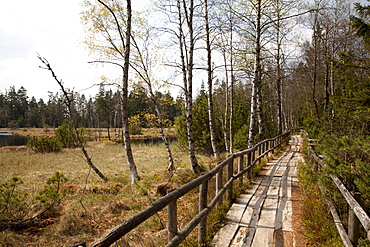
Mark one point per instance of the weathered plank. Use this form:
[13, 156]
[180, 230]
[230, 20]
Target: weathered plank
[240, 237]
[236, 211]
[263, 237]
[274, 186]
[247, 216]
[224, 236]
[268, 212]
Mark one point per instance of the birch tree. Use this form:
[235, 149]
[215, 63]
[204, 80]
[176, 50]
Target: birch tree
[110, 27]
[210, 81]
[253, 13]
[181, 25]
[143, 63]
[224, 41]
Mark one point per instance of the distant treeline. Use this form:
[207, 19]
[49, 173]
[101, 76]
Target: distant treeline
[18, 110]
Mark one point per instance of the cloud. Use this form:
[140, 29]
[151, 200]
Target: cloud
[13, 46]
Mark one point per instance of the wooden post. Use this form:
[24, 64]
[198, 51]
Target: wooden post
[240, 168]
[259, 150]
[172, 219]
[219, 184]
[249, 162]
[230, 168]
[253, 156]
[353, 222]
[202, 227]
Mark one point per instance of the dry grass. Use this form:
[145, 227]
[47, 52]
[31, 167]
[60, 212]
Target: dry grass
[107, 204]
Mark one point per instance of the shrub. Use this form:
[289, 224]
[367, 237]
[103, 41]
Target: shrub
[12, 202]
[15, 208]
[44, 144]
[135, 125]
[67, 137]
[53, 193]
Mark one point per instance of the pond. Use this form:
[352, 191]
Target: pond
[10, 139]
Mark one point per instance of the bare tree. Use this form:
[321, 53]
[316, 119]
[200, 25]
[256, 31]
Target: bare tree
[181, 15]
[68, 102]
[143, 63]
[114, 23]
[210, 82]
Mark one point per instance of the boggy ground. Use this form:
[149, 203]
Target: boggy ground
[91, 206]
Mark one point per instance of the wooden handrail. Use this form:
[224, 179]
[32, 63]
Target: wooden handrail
[119, 231]
[352, 202]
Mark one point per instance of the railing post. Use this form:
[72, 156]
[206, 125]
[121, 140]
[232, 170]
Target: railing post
[230, 168]
[202, 227]
[172, 219]
[259, 150]
[219, 184]
[253, 156]
[266, 147]
[240, 168]
[249, 162]
[271, 146]
[353, 222]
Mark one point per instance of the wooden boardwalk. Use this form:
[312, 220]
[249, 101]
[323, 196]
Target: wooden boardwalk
[262, 216]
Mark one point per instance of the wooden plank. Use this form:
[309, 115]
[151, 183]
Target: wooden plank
[254, 185]
[286, 188]
[287, 216]
[342, 232]
[235, 213]
[263, 237]
[274, 186]
[240, 237]
[268, 212]
[281, 170]
[224, 236]
[237, 210]
[247, 216]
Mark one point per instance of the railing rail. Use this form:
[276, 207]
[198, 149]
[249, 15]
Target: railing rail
[357, 213]
[260, 150]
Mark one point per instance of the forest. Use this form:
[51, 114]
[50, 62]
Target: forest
[266, 67]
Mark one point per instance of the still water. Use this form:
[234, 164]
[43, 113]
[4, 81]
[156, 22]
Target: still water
[10, 139]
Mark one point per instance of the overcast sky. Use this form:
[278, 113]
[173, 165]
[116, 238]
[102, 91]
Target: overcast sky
[54, 30]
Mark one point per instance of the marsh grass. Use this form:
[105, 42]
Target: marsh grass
[92, 206]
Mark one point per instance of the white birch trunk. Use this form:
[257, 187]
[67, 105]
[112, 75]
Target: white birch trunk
[210, 84]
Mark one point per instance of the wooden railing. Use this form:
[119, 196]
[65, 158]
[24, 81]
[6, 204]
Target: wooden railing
[245, 162]
[356, 212]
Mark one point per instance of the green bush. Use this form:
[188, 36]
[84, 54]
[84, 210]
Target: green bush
[53, 193]
[15, 207]
[67, 137]
[12, 202]
[44, 144]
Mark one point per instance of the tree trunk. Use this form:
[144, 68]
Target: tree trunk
[315, 68]
[126, 131]
[225, 118]
[232, 82]
[187, 71]
[161, 129]
[252, 119]
[256, 87]
[210, 84]
[279, 76]
[68, 103]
